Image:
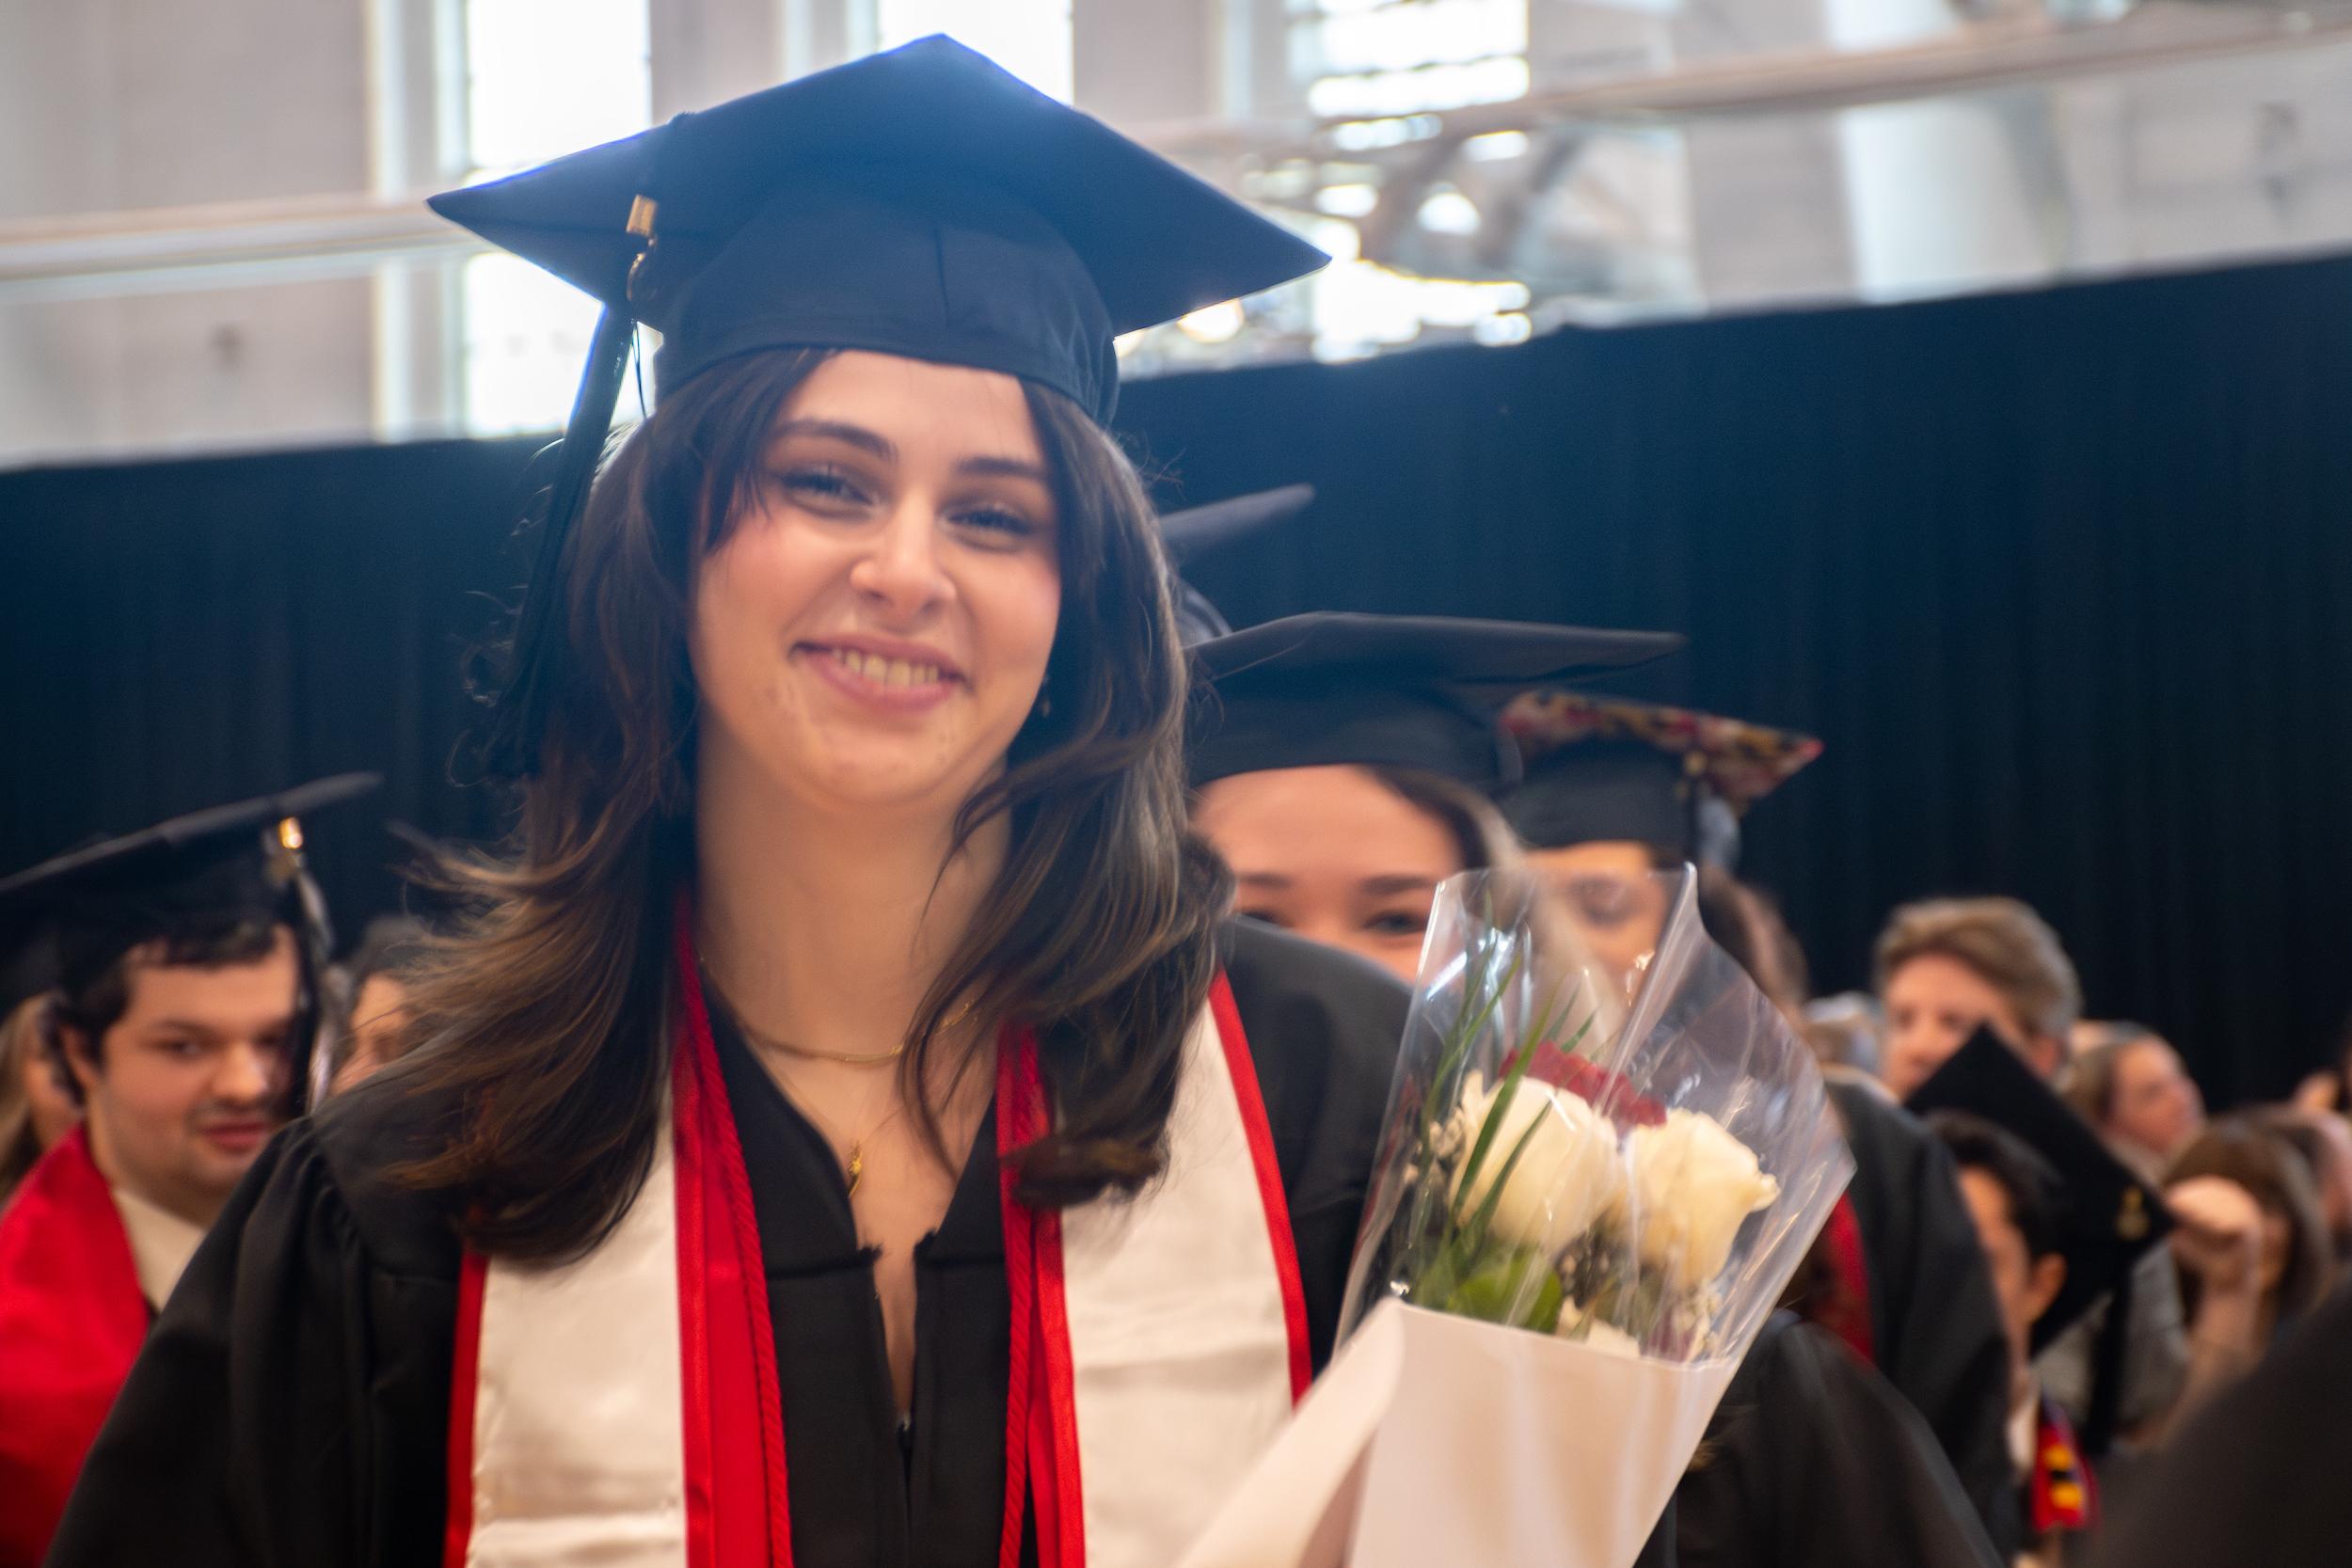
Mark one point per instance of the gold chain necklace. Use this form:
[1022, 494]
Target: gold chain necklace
[816, 1052]
[853, 1164]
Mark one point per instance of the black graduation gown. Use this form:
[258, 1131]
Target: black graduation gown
[292, 1406]
[1812, 1461]
[1935, 1328]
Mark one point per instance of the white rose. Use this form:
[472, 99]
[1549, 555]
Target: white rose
[1567, 1176]
[1693, 1184]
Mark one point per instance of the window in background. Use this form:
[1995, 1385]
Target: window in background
[543, 77]
[1384, 66]
[1030, 38]
[1398, 57]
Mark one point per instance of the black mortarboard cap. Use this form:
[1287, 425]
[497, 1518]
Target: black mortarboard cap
[1604, 768]
[1394, 690]
[2108, 1217]
[28, 970]
[89, 907]
[922, 202]
[1201, 530]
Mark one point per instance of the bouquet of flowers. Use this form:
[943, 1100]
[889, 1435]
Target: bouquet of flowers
[1601, 1163]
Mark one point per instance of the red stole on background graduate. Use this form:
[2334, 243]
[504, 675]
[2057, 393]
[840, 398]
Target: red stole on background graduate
[2061, 1494]
[72, 1321]
[623, 1410]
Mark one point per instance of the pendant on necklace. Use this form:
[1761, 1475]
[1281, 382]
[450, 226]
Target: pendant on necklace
[857, 1166]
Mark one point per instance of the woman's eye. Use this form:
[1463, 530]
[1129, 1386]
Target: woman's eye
[1602, 901]
[996, 519]
[1265, 917]
[821, 487]
[1397, 922]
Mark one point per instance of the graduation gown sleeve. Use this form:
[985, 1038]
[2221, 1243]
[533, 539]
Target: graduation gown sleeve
[1933, 1321]
[290, 1405]
[1813, 1461]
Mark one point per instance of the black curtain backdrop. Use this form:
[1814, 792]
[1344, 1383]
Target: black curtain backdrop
[2058, 576]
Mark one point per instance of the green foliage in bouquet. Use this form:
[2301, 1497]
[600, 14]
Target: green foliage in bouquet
[1452, 1260]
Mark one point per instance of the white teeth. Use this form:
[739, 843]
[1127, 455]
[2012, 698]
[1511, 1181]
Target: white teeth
[885, 671]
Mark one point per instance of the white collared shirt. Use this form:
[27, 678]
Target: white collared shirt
[160, 1243]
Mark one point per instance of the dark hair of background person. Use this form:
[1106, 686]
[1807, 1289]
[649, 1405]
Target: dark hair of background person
[1482, 838]
[2003, 942]
[2027, 1182]
[1745, 922]
[2309, 1132]
[216, 942]
[539, 1018]
[24, 1038]
[2238, 1148]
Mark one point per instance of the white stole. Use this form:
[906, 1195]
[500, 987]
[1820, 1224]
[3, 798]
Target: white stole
[1181, 1345]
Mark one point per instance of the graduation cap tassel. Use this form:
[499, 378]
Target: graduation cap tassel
[521, 714]
[521, 717]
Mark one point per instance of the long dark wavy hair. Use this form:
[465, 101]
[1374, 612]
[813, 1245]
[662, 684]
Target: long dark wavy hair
[540, 1027]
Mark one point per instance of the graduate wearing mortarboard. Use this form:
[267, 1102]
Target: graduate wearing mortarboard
[180, 968]
[2062, 1223]
[847, 1132]
[1197, 531]
[1341, 764]
[1612, 787]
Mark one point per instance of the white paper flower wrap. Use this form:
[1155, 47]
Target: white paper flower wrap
[1693, 1186]
[1569, 1176]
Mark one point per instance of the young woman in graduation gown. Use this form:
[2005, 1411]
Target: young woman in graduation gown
[844, 1130]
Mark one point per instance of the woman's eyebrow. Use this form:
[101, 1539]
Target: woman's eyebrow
[882, 447]
[1004, 467]
[1389, 886]
[848, 435]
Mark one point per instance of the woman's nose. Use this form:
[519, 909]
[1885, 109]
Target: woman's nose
[902, 571]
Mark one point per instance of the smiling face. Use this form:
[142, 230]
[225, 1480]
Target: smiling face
[874, 629]
[183, 1090]
[1333, 854]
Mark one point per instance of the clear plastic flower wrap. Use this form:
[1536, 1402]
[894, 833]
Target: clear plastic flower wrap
[1605, 1154]
[1620, 1143]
